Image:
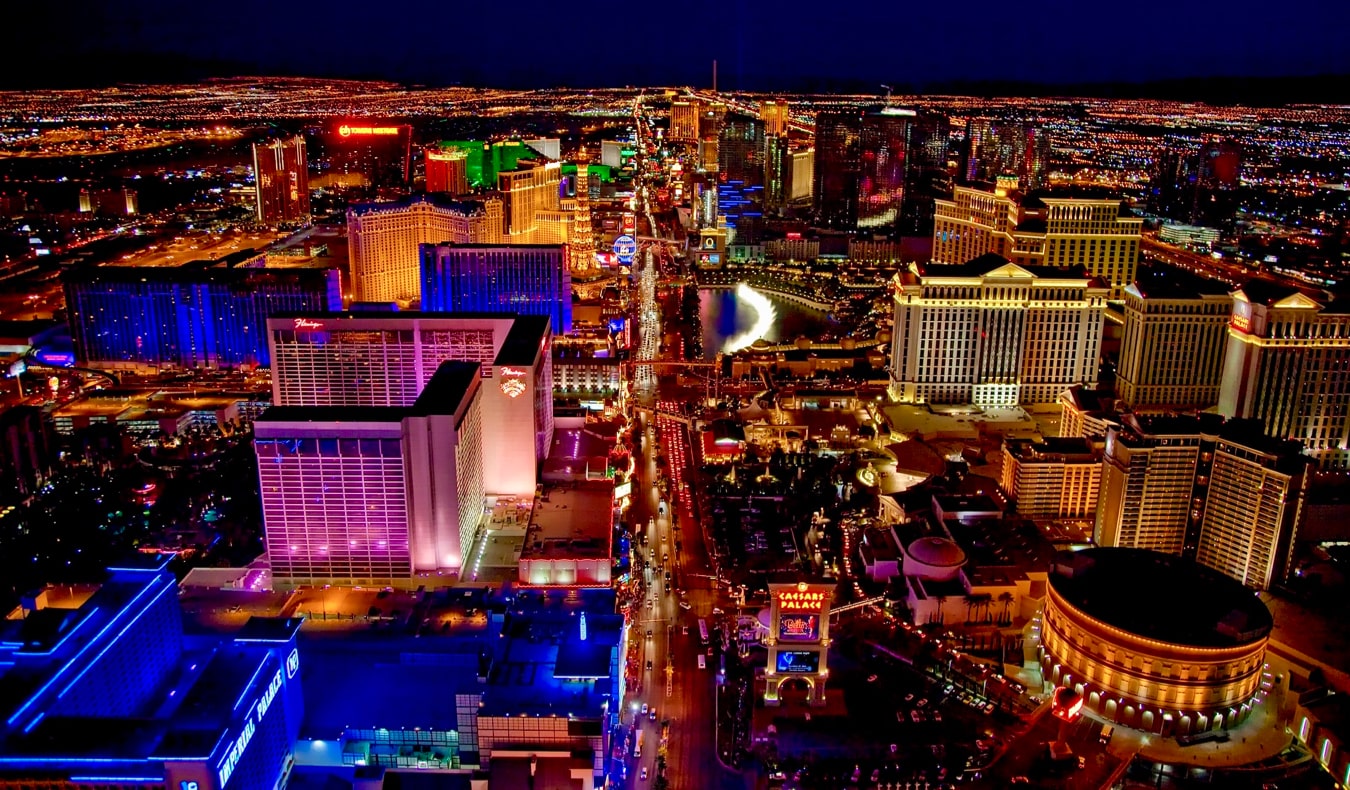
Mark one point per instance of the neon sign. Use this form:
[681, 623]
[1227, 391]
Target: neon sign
[251, 722]
[366, 131]
[802, 601]
[513, 372]
[513, 388]
[305, 323]
[293, 663]
[1241, 322]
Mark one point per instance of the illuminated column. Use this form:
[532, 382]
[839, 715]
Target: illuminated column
[799, 640]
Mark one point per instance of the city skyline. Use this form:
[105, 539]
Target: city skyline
[151, 40]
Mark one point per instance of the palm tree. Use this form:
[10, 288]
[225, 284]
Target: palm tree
[971, 602]
[1006, 598]
[941, 602]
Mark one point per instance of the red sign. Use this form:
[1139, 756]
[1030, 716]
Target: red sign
[305, 323]
[513, 372]
[367, 131]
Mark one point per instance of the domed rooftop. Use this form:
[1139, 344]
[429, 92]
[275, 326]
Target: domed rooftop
[1161, 596]
[937, 552]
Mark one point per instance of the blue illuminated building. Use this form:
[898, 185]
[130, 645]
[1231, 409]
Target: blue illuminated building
[527, 279]
[539, 681]
[200, 315]
[112, 694]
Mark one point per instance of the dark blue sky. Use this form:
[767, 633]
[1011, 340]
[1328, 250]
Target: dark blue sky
[758, 44]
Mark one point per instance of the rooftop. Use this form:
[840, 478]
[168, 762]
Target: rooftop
[989, 262]
[1109, 585]
[572, 521]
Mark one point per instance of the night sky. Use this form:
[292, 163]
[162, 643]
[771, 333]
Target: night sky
[792, 44]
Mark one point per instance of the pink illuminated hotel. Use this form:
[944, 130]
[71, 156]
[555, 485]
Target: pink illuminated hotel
[389, 430]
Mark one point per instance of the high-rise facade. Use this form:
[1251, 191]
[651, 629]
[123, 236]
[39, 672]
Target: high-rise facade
[447, 170]
[1006, 148]
[1053, 478]
[114, 202]
[528, 193]
[1060, 228]
[684, 117]
[1287, 364]
[773, 113]
[139, 318]
[741, 150]
[838, 168]
[360, 359]
[281, 181]
[361, 153]
[1198, 186]
[927, 178]
[879, 171]
[994, 333]
[527, 279]
[383, 240]
[1221, 493]
[374, 496]
[1175, 334]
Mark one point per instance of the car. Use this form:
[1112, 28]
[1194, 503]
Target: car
[649, 633]
[649, 666]
[914, 716]
[871, 678]
[651, 714]
[685, 605]
[645, 708]
[921, 704]
[644, 773]
[1020, 780]
[686, 629]
[937, 716]
[909, 698]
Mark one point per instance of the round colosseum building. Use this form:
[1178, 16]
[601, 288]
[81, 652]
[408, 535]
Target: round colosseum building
[1153, 641]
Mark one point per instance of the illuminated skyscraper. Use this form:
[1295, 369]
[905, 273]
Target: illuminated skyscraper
[281, 181]
[362, 153]
[994, 333]
[740, 150]
[1287, 364]
[1006, 148]
[1054, 227]
[374, 496]
[383, 239]
[116, 202]
[528, 279]
[684, 118]
[447, 170]
[1220, 493]
[528, 193]
[774, 115]
[1176, 330]
[879, 171]
[837, 168]
[361, 359]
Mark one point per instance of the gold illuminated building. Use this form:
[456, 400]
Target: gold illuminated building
[1112, 631]
[775, 116]
[1060, 228]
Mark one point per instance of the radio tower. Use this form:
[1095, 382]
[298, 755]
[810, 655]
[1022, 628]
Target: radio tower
[581, 245]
